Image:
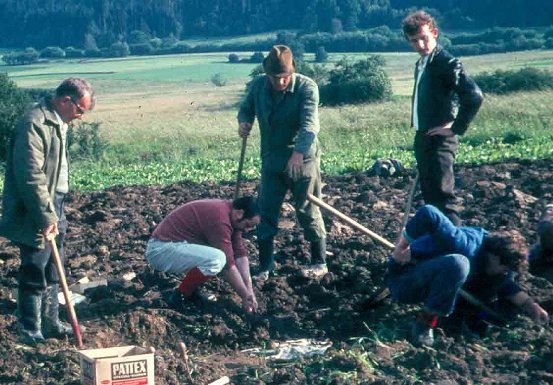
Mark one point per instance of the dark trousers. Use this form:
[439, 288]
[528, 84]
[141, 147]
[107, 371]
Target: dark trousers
[435, 157]
[275, 185]
[38, 270]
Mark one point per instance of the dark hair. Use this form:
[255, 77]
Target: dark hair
[248, 204]
[545, 233]
[509, 246]
[415, 21]
[76, 88]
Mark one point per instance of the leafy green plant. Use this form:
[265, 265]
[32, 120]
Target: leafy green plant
[84, 142]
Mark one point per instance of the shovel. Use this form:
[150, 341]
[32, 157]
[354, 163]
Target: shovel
[240, 167]
[63, 282]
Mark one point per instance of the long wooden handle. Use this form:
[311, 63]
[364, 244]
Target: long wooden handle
[409, 203]
[350, 221]
[240, 167]
[63, 282]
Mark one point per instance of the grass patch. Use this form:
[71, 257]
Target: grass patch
[165, 121]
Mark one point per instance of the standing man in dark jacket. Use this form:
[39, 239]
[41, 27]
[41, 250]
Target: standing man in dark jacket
[286, 106]
[445, 100]
[35, 184]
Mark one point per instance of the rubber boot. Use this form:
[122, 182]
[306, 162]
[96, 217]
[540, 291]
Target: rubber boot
[52, 327]
[318, 252]
[266, 256]
[29, 317]
[189, 291]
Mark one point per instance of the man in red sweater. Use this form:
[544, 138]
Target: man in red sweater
[202, 238]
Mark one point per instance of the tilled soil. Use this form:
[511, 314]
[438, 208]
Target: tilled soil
[107, 238]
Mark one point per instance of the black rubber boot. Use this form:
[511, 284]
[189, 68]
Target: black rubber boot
[318, 252]
[266, 257]
[52, 327]
[28, 315]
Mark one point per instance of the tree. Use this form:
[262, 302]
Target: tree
[257, 57]
[233, 58]
[321, 55]
[13, 101]
[119, 49]
[52, 52]
[358, 82]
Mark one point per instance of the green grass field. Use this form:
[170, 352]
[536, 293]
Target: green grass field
[165, 121]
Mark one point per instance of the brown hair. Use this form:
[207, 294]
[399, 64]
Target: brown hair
[76, 88]
[415, 21]
[509, 246]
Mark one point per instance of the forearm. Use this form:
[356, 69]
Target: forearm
[470, 100]
[243, 266]
[233, 277]
[530, 307]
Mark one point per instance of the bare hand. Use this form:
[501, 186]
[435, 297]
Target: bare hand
[402, 255]
[537, 313]
[50, 231]
[249, 304]
[244, 129]
[295, 165]
[443, 130]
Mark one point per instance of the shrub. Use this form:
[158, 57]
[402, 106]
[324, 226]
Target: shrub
[218, 80]
[13, 102]
[141, 49]
[29, 56]
[257, 57]
[119, 49]
[362, 81]
[72, 52]
[316, 72]
[178, 47]
[233, 58]
[138, 37]
[321, 55]
[525, 79]
[84, 141]
[52, 53]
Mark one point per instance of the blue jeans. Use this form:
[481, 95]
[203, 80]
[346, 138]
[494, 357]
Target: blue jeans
[435, 281]
[181, 257]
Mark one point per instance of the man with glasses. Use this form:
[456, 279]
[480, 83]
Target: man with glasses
[286, 106]
[35, 184]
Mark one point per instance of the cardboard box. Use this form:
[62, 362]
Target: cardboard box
[124, 365]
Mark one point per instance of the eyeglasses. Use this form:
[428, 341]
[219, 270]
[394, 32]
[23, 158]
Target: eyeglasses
[80, 111]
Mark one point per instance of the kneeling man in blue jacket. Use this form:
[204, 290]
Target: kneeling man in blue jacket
[434, 259]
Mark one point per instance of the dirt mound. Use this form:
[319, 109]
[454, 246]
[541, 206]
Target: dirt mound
[108, 234]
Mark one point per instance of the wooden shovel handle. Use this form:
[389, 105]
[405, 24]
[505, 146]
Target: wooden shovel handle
[63, 283]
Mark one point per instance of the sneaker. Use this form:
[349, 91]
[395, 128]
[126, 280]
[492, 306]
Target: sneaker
[314, 271]
[261, 276]
[421, 335]
[201, 298]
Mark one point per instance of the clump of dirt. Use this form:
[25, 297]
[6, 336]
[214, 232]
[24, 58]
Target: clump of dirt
[108, 234]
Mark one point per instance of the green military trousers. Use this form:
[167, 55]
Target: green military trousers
[275, 185]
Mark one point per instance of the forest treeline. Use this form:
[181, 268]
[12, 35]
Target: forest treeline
[98, 24]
